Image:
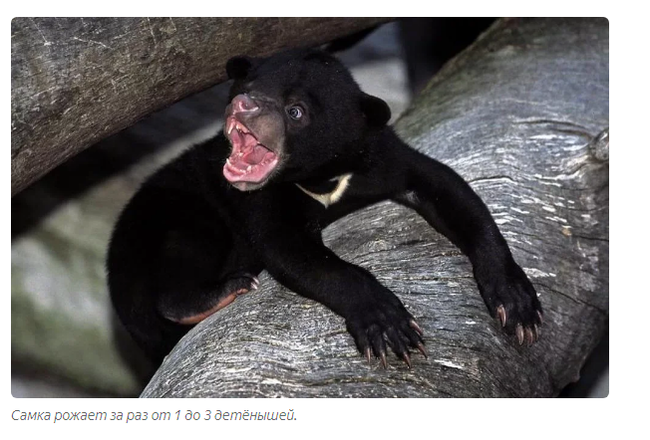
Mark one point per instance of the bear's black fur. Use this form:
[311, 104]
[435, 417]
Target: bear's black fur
[302, 146]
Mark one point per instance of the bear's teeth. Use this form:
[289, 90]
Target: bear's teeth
[232, 123]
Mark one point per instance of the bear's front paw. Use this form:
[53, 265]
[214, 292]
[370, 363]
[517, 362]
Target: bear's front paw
[511, 298]
[381, 320]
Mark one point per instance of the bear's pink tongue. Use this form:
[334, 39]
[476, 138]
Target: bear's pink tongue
[249, 161]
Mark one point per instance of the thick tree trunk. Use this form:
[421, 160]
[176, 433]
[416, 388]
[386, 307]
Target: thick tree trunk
[75, 81]
[523, 116]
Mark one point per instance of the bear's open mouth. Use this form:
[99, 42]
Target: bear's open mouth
[249, 160]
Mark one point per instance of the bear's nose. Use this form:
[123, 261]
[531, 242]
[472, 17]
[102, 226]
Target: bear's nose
[243, 104]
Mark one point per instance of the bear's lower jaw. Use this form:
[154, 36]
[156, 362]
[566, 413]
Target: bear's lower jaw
[253, 168]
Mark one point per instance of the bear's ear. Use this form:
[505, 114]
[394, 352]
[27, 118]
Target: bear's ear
[238, 67]
[376, 110]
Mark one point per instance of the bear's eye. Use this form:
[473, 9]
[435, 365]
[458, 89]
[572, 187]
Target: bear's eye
[295, 112]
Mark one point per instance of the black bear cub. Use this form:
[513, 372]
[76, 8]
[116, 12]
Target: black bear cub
[302, 146]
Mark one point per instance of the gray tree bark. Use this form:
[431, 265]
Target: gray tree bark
[75, 81]
[523, 116]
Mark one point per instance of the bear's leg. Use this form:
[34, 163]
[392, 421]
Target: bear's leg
[198, 276]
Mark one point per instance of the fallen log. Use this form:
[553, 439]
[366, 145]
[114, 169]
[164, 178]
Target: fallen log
[522, 115]
[75, 81]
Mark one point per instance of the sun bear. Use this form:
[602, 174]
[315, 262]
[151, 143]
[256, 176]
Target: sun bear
[302, 146]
